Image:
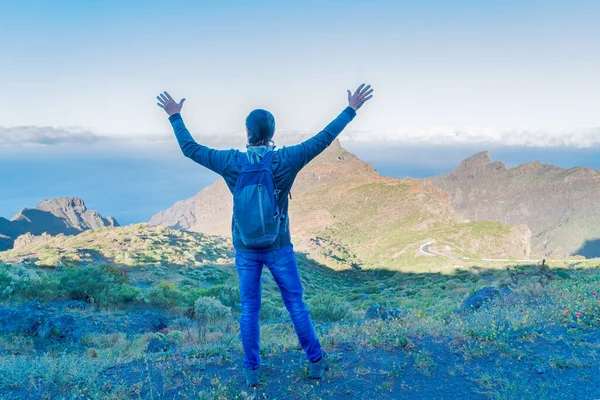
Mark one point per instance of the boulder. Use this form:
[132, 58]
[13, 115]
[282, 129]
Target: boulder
[385, 313]
[482, 297]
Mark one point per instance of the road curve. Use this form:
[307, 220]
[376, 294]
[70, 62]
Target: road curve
[426, 249]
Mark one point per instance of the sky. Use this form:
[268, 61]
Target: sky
[522, 72]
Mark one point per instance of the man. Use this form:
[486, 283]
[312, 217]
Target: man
[260, 180]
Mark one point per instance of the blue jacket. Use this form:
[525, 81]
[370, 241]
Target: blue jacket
[287, 162]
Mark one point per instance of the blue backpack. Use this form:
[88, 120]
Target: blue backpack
[255, 211]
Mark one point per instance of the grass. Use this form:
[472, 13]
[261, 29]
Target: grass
[133, 245]
[204, 297]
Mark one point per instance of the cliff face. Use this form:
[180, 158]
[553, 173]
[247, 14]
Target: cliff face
[67, 215]
[559, 205]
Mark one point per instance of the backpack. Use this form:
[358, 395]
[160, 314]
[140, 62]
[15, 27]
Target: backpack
[255, 211]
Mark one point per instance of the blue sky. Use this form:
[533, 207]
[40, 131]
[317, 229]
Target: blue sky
[490, 65]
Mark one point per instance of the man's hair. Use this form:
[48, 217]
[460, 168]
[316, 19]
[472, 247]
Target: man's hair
[261, 126]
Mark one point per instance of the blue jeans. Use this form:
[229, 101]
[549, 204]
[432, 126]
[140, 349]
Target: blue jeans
[283, 267]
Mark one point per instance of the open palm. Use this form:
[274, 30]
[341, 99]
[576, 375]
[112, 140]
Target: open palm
[166, 102]
[360, 96]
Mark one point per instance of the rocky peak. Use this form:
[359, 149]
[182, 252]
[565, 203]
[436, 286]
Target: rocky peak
[62, 203]
[335, 153]
[481, 158]
[75, 212]
[478, 165]
[210, 210]
[66, 215]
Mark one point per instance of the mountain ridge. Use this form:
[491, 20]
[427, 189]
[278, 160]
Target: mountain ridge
[64, 215]
[556, 203]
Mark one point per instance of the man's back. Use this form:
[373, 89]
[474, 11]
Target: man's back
[286, 164]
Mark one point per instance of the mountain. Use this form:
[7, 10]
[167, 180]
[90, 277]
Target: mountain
[66, 215]
[559, 205]
[345, 214]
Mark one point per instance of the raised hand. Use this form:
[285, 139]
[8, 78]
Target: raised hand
[362, 94]
[166, 102]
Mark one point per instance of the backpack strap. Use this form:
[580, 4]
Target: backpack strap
[268, 157]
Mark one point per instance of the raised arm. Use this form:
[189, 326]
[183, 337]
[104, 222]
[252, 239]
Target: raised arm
[215, 160]
[301, 154]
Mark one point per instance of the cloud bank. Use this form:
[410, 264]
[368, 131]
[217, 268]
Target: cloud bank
[46, 136]
[575, 137]
[27, 136]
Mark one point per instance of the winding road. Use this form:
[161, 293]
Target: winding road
[426, 249]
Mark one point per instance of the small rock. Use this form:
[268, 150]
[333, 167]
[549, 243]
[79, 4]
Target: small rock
[382, 313]
[540, 370]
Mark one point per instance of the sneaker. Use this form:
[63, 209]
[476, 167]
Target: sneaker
[317, 369]
[252, 376]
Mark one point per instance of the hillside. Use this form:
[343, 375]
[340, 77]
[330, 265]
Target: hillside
[124, 246]
[152, 312]
[345, 214]
[559, 205]
[68, 216]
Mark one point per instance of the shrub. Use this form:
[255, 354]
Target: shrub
[127, 293]
[270, 311]
[209, 310]
[329, 308]
[14, 280]
[92, 284]
[228, 295]
[6, 284]
[165, 294]
[209, 274]
[46, 288]
[175, 337]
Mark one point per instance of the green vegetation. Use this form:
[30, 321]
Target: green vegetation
[134, 246]
[329, 307]
[202, 297]
[209, 310]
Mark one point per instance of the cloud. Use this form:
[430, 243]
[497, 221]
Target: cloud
[46, 136]
[575, 137]
[34, 136]
[220, 141]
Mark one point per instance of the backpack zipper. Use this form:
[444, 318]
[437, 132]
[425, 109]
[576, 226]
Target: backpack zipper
[260, 207]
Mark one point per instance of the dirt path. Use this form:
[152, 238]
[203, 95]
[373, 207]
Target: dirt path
[432, 369]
